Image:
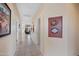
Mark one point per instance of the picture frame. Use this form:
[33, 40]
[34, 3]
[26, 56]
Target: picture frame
[55, 26]
[5, 20]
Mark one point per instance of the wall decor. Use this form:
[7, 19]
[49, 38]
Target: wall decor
[55, 26]
[5, 20]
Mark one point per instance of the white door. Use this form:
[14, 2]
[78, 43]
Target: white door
[38, 32]
[19, 36]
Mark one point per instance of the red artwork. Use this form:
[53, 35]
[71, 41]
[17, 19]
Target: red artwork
[5, 20]
[55, 26]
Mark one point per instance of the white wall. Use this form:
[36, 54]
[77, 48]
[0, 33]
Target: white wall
[35, 33]
[8, 43]
[59, 46]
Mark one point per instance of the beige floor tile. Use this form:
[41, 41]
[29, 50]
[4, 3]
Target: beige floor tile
[27, 48]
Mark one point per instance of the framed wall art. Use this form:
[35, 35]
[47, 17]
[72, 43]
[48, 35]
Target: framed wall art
[55, 26]
[5, 20]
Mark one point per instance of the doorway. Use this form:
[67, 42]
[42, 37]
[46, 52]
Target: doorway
[38, 32]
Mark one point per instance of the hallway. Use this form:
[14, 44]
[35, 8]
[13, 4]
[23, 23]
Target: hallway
[27, 48]
[54, 29]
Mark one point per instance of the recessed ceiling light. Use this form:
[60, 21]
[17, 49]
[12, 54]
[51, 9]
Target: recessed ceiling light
[27, 15]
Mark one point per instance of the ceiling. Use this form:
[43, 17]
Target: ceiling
[27, 10]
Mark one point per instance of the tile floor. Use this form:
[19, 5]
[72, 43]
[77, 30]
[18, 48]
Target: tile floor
[27, 48]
